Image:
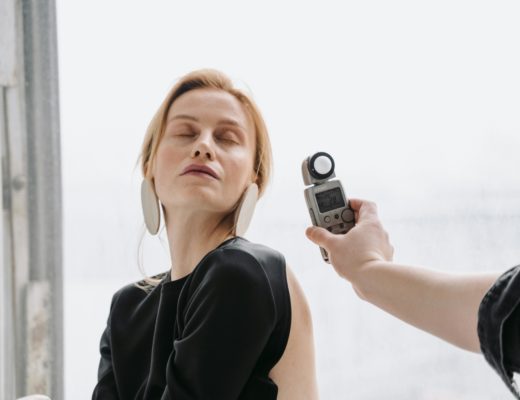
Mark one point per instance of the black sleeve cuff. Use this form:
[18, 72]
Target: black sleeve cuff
[499, 327]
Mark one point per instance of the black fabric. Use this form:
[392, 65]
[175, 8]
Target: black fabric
[214, 334]
[499, 327]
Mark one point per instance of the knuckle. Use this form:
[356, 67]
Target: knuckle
[377, 225]
[372, 205]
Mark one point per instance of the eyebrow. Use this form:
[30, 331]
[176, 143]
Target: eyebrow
[222, 121]
[184, 116]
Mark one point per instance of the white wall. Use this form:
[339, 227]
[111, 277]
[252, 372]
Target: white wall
[417, 101]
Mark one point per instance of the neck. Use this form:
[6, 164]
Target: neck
[191, 235]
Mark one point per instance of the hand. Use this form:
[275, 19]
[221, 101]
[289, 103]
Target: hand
[365, 243]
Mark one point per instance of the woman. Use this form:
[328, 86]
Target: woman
[479, 312]
[228, 320]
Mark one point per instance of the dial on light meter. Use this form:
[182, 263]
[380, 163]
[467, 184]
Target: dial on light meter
[326, 201]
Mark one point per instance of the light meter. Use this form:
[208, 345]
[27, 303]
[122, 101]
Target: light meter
[326, 201]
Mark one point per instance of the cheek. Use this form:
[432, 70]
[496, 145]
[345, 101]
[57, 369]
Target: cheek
[238, 168]
[166, 154]
[166, 161]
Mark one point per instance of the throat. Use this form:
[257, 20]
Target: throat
[192, 258]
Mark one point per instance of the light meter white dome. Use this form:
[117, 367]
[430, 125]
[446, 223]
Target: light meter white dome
[322, 165]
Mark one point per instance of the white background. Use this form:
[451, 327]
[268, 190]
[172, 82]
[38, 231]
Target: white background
[417, 101]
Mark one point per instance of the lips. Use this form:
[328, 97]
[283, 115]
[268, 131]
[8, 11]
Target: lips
[200, 168]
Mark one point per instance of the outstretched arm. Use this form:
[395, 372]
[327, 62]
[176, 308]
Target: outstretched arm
[443, 304]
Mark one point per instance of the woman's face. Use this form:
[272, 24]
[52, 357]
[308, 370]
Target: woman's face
[205, 128]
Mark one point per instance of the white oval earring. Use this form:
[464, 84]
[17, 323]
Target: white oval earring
[245, 209]
[150, 205]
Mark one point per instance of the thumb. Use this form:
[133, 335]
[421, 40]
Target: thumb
[319, 236]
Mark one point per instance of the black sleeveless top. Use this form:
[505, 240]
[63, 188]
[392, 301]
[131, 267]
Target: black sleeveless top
[213, 334]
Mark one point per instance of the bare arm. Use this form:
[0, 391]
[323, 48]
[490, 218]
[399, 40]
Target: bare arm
[443, 304]
[295, 373]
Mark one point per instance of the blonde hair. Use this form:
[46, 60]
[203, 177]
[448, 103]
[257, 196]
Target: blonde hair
[206, 79]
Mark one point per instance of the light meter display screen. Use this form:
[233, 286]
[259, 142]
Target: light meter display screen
[330, 199]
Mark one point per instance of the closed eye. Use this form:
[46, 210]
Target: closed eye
[228, 137]
[187, 134]
[226, 140]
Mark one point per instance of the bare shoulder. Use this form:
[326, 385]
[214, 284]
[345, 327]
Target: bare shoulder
[295, 373]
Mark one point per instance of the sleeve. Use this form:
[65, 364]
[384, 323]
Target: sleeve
[499, 327]
[227, 323]
[106, 388]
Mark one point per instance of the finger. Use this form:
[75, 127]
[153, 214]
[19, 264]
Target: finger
[365, 209]
[319, 236]
[355, 204]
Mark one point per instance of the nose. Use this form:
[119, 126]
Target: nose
[203, 147]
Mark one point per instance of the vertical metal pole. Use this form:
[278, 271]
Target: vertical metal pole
[7, 343]
[8, 78]
[44, 299]
[31, 314]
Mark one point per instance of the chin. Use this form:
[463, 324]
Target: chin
[199, 200]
